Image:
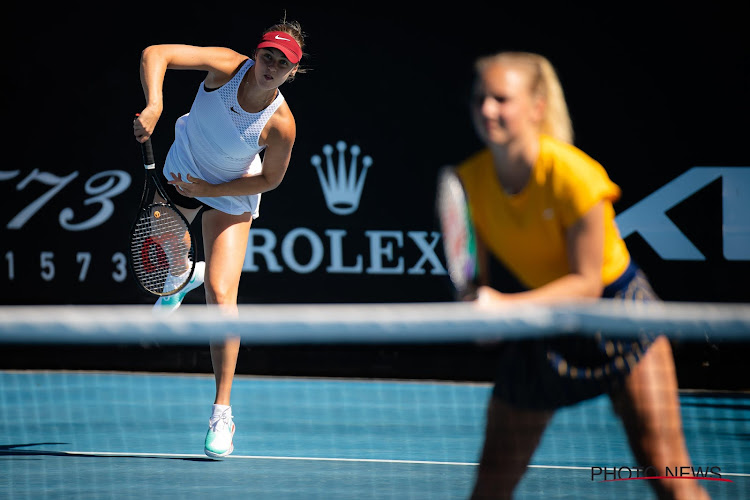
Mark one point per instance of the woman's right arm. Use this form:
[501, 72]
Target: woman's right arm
[220, 63]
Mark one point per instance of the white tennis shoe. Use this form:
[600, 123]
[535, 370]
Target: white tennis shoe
[169, 303]
[219, 438]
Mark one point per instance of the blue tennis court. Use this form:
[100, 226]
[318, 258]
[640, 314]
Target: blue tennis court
[134, 435]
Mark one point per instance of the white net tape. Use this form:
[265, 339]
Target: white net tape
[377, 323]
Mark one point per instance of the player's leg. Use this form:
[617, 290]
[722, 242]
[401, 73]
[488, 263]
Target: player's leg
[225, 241]
[219, 442]
[189, 208]
[511, 437]
[650, 410]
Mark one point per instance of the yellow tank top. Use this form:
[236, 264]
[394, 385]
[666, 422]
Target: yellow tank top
[526, 231]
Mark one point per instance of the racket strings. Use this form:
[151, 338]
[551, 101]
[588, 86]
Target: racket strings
[161, 250]
[458, 240]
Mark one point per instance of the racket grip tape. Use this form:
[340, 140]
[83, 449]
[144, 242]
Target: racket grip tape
[148, 154]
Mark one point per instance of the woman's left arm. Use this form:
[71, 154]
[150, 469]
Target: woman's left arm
[585, 247]
[279, 143]
[585, 243]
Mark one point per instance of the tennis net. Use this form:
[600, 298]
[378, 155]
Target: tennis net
[339, 400]
[417, 322]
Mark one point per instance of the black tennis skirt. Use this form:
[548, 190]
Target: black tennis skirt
[178, 198]
[549, 373]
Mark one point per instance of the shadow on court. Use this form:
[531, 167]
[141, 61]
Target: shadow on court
[9, 450]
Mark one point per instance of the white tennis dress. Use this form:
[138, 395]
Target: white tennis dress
[217, 141]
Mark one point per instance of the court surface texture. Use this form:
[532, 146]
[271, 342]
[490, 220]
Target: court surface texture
[92, 435]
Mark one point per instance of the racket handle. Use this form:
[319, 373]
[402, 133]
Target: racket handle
[148, 154]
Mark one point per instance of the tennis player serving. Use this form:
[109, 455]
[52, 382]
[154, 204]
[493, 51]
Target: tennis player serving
[543, 214]
[215, 166]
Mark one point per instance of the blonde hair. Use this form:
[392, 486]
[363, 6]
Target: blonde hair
[544, 83]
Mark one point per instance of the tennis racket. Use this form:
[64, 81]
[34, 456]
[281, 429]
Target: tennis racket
[459, 241]
[162, 249]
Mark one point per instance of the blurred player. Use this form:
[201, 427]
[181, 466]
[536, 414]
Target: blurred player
[543, 214]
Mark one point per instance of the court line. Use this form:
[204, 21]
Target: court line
[246, 457]
[312, 459]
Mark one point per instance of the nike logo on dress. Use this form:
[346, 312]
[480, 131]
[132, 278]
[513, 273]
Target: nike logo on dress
[277, 37]
[234, 110]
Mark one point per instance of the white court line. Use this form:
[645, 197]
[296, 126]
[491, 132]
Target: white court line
[316, 459]
[249, 457]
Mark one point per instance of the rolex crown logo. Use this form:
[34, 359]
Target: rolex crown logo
[342, 186]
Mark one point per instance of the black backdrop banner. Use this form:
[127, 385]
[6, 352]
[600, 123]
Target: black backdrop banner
[659, 99]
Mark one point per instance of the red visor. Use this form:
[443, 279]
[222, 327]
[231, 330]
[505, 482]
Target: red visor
[284, 42]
